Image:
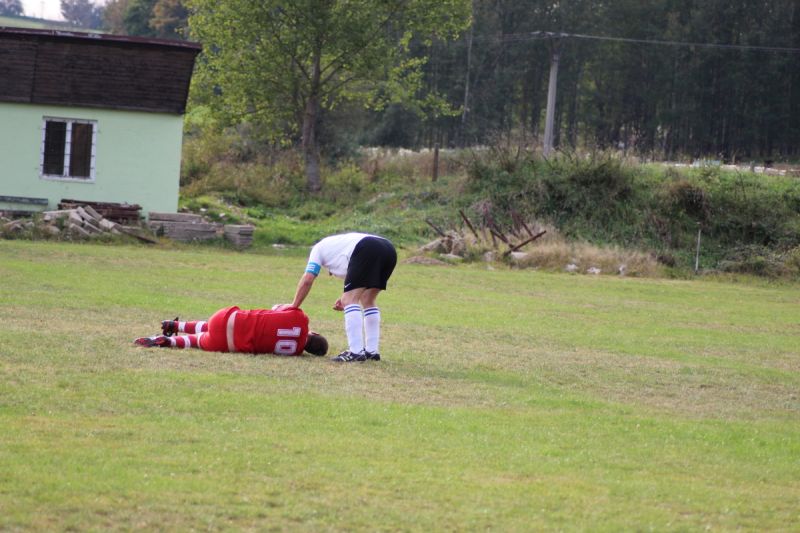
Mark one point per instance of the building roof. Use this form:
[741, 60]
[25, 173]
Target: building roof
[69, 68]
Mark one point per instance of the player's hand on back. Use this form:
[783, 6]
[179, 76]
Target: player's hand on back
[283, 307]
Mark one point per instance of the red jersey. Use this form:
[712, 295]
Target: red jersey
[267, 331]
[257, 331]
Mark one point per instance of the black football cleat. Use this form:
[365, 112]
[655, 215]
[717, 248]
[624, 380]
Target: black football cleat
[157, 341]
[169, 327]
[372, 356]
[349, 357]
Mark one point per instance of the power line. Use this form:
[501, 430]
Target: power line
[539, 35]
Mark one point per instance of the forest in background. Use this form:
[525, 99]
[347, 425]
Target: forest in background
[478, 90]
[664, 99]
[687, 79]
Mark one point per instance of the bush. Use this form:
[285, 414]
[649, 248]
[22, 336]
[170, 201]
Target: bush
[685, 199]
[749, 223]
[758, 260]
[600, 199]
[250, 184]
[346, 184]
[590, 197]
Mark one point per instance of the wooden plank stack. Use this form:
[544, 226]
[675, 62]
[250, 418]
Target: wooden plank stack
[123, 213]
[183, 227]
[84, 222]
[241, 235]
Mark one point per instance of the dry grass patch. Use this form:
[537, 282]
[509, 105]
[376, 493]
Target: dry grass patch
[559, 255]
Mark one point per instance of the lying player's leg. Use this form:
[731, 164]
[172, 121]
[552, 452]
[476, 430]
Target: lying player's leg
[195, 329]
[171, 327]
[162, 341]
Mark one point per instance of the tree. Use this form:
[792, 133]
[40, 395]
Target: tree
[82, 13]
[170, 19]
[12, 8]
[284, 63]
[167, 19]
[114, 16]
[136, 20]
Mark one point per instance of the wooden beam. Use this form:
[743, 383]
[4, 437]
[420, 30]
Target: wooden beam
[523, 243]
[469, 225]
[435, 228]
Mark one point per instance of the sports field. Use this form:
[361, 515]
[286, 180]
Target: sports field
[506, 401]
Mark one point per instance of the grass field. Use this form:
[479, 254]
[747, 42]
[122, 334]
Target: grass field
[506, 401]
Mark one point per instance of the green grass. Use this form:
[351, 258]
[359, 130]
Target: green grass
[506, 400]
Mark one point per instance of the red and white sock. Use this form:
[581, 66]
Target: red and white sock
[192, 326]
[183, 341]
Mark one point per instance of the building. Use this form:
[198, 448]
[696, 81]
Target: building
[91, 117]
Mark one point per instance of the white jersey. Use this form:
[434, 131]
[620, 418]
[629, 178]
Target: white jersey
[334, 253]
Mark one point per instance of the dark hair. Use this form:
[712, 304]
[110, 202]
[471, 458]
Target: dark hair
[316, 344]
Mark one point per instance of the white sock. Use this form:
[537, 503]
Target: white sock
[372, 328]
[354, 327]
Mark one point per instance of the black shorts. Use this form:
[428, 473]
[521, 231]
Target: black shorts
[371, 264]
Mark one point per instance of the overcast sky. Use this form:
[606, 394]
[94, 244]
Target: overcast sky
[46, 9]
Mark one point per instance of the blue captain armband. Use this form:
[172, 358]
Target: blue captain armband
[313, 268]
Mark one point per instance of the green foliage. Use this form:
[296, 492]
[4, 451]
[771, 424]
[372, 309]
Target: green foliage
[359, 58]
[761, 261]
[597, 198]
[597, 190]
[277, 228]
[346, 184]
[284, 65]
[601, 199]
[136, 18]
[212, 208]
[82, 13]
[170, 19]
[234, 166]
[583, 196]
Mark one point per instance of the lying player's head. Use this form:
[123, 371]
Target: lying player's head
[316, 344]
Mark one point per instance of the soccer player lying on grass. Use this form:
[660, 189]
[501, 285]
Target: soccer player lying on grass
[256, 331]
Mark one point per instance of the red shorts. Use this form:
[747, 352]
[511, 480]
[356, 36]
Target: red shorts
[216, 338]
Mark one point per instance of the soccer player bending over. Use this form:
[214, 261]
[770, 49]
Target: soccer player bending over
[257, 331]
[365, 262]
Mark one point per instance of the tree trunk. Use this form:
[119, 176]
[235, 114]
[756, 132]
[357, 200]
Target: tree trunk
[310, 147]
[310, 118]
[465, 109]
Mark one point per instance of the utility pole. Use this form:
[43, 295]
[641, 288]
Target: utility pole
[551, 99]
[465, 109]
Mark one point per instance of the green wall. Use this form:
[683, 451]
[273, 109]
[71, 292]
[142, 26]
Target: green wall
[137, 157]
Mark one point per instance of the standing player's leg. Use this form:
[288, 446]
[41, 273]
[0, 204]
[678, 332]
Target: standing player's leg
[353, 326]
[384, 261]
[371, 265]
[372, 323]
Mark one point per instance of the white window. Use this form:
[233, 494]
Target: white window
[68, 148]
